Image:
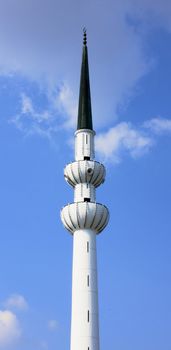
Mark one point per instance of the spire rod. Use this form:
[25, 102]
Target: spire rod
[84, 109]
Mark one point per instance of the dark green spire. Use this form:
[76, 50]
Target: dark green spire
[84, 109]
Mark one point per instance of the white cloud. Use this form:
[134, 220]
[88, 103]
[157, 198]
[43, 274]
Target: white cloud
[28, 110]
[60, 113]
[67, 105]
[134, 141]
[36, 42]
[112, 145]
[27, 106]
[120, 139]
[30, 121]
[53, 325]
[158, 125]
[10, 329]
[16, 301]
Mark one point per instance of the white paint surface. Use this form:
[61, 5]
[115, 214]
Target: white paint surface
[84, 332]
[84, 144]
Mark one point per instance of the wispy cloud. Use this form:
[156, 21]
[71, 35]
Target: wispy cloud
[10, 329]
[66, 104]
[29, 121]
[59, 113]
[42, 52]
[42, 49]
[158, 125]
[122, 138]
[16, 301]
[125, 138]
[53, 325]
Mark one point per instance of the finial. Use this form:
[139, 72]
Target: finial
[84, 36]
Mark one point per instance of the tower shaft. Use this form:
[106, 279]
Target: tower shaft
[84, 323]
[84, 218]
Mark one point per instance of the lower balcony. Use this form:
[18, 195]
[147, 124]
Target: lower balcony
[85, 215]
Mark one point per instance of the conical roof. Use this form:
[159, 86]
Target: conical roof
[84, 109]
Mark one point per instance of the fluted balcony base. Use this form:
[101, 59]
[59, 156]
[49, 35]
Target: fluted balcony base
[85, 215]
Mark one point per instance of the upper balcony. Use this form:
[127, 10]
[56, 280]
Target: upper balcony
[85, 171]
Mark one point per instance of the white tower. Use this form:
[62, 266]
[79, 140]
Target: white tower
[85, 218]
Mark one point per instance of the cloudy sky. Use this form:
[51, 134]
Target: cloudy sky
[129, 45]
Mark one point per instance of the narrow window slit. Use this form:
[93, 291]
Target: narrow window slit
[87, 247]
[88, 316]
[88, 280]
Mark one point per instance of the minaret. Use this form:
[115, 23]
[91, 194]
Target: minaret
[85, 218]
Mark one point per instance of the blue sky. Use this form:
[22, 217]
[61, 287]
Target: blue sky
[129, 54]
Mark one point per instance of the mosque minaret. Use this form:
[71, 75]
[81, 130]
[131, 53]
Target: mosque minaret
[84, 219]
